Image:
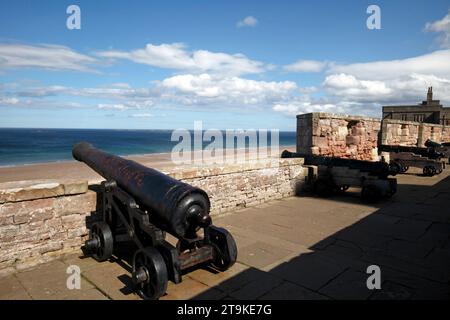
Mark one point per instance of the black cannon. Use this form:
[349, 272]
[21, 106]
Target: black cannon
[429, 152]
[140, 205]
[374, 168]
[428, 159]
[443, 148]
[333, 175]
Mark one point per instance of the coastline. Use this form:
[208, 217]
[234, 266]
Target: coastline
[71, 169]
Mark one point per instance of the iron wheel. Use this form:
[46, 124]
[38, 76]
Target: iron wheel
[100, 242]
[149, 273]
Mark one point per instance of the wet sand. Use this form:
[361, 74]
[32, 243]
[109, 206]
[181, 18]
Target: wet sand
[80, 171]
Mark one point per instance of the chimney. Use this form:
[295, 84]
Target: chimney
[430, 95]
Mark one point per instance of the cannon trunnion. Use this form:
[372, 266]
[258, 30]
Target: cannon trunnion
[139, 205]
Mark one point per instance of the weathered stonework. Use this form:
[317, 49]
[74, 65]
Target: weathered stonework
[33, 224]
[231, 187]
[42, 220]
[408, 133]
[337, 135]
[357, 137]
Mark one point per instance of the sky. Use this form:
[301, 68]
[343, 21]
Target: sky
[230, 64]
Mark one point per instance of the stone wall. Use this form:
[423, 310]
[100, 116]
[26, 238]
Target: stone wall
[231, 187]
[337, 135]
[408, 133]
[397, 132]
[357, 137]
[42, 220]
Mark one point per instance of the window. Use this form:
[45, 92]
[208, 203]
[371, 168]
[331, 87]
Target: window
[419, 117]
[404, 117]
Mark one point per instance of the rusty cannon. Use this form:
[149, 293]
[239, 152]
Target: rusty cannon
[330, 175]
[139, 205]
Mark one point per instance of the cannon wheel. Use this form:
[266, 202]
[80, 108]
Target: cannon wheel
[429, 171]
[101, 237]
[225, 249]
[371, 193]
[433, 171]
[149, 273]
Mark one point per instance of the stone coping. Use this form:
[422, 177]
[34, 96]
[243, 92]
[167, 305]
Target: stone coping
[191, 172]
[15, 191]
[336, 116]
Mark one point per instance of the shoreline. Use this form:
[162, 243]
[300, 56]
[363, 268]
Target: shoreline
[72, 169]
[128, 156]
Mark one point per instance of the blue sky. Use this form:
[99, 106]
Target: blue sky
[164, 64]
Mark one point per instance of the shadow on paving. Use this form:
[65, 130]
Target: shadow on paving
[407, 237]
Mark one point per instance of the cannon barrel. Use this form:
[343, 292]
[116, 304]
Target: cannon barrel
[174, 206]
[375, 168]
[431, 144]
[430, 152]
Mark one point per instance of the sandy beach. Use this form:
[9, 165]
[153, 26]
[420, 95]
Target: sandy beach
[78, 170]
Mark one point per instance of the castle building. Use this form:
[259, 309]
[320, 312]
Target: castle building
[429, 111]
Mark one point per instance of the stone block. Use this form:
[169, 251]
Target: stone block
[72, 187]
[28, 190]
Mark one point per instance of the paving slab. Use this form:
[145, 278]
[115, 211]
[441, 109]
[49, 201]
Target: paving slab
[290, 291]
[113, 280]
[261, 254]
[350, 284]
[49, 281]
[12, 289]
[309, 270]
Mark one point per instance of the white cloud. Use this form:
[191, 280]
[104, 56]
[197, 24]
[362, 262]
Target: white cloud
[349, 85]
[306, 66]
[406, 89]
[435, 63]
[51, 57]
[392, 81]
[121, 85]
[248, 21]
[113, 92]
[8, 101]
[443, 28]
[305, 105]
[118, 106]
[175, 56]
[141, 115]
[191, 90]
[231, 90]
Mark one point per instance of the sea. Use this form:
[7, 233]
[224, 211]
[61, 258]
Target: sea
[20, 146]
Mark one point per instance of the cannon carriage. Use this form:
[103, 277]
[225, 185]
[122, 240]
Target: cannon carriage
[139, 205]
[429, 159]
[329, 175]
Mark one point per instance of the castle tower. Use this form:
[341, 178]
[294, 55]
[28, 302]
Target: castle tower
[430, 95]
